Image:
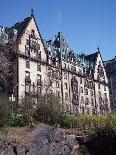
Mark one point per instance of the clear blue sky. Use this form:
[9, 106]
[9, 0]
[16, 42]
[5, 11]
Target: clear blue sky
[85, 23]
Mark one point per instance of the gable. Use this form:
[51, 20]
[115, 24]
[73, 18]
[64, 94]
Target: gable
[26, 35]
[99, 72]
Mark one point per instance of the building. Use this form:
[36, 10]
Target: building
[110, 67]
[43, 66]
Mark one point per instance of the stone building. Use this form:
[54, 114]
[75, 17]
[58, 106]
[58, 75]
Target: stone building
[110, 67]
[51, 66]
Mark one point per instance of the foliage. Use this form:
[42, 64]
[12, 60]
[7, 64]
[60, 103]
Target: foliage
[66, 120]
[48, 113]
[7, 57]
[16, 120]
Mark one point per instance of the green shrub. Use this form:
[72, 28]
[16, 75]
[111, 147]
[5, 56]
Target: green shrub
[66, 120]
[16, 120]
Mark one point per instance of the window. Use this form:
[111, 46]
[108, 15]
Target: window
[27, 77]
[99, 96]
[86, 91]
[27, 88]
[73, 69]
[98, 86]
[80, 71]
[65, 75]
[81, 101]
[91, 85]
[27, 64]
[105, 98]
[33, 88]
[51, 91]
[57, 84]
[81, 80]
[27, 74]
[38, 79]
[57, 74]
[66, 96]
[65, 85]
[38, 55]
[39, 66]
[58, 93]
[39, 90]
[86, 101]
[91, 92]
[32, 32]
[27, 42]
[65, 66]
[81, 90]
[98, 77]
[104, 88]
[92, 102]
[86, 83]
[49, 72]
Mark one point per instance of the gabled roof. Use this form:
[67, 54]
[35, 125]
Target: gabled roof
[91, 57]
[60, 42]
[21, 26]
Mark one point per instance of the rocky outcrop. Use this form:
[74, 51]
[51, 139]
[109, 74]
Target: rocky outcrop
[45, 140]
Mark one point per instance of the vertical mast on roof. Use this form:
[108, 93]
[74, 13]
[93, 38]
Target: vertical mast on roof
[98, 49]
[32, 12]
[59, 21]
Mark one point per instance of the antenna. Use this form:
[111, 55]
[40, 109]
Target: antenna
[98, 50]
[59, 21]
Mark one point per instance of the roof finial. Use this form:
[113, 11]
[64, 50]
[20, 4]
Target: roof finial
[32, 12]
[98, 49]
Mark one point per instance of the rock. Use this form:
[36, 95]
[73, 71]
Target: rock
[74, 150]
[45, 140]
[58, 136]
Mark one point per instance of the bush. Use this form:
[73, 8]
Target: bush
[46, 114]
[66, 120]
[18, 120]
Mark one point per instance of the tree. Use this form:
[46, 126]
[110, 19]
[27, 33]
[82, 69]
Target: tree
[7, 57]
